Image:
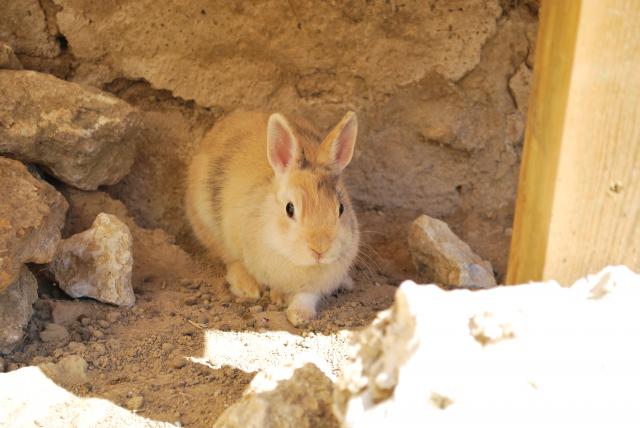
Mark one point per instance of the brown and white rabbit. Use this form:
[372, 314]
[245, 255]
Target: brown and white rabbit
[265, 194]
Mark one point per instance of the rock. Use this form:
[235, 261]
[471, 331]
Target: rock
[23, 25]
[8, 59]
[135, 403]
[287, 397]
[155, 251]
[191, 301]
[76, 347]
[70, 370]
[83, 136]
[31, 215]
[178, 362]
[441, 257]
[499, 357]
[67, 313]
[97, 263]
[16, 309]
[520, 87]
[255, 309]
[29, 398]
[55, 334]
[95, 333]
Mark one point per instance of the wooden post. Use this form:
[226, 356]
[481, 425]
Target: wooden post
[578, 205]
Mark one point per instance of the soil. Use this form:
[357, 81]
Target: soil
[189, 348]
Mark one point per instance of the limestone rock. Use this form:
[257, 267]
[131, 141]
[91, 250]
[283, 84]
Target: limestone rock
[156, 253]
[31, 215]
[299, 398]
[98, 262]
[23, 25]
[70, 370]
[16, 308]
[520, 86]
[441, 257]
[8, 59]
[499, 357]
[83, 136]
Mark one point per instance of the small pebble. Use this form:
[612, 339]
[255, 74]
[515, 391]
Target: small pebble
[178, 363]
[255, 309]
[113, 316]
[190, 301]
[168, 347]
[1, 365]
[13, 366]
[206, 296]
[85, 320]
[54, 333]
[57, 353]
[103, 323]
[76, 347]
[225, 327]
[207, 302]
[95, 333]
[203, 319]
[85, 334]
[135, 403]
[39, 359]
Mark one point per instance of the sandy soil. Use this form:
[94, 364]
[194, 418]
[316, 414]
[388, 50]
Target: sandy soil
[189, 348]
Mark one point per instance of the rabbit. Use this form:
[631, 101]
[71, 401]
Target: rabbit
[265, 194]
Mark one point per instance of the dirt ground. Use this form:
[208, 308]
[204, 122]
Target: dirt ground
[189, 348]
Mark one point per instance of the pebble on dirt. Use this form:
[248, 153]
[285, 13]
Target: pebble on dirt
[55, 334]
[135, 403]
[70, 370]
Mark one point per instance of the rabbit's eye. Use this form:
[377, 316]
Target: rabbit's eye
[340, 210]
[290, 210]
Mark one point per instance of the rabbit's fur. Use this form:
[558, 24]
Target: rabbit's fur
[249, 167]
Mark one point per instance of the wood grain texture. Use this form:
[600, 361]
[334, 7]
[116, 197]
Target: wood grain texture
[578, 207]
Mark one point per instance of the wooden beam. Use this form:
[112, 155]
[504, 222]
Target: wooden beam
[578, 205]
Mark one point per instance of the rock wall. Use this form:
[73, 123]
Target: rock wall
[440, 130]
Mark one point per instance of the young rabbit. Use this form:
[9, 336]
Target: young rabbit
[265, 194]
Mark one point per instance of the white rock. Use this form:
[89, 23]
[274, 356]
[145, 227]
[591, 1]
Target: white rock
[528, 355]
[29, 398]
[98, 262]
[441, 257]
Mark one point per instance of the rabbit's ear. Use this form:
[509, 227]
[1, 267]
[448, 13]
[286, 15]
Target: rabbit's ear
[282, 145]
[337, 148]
